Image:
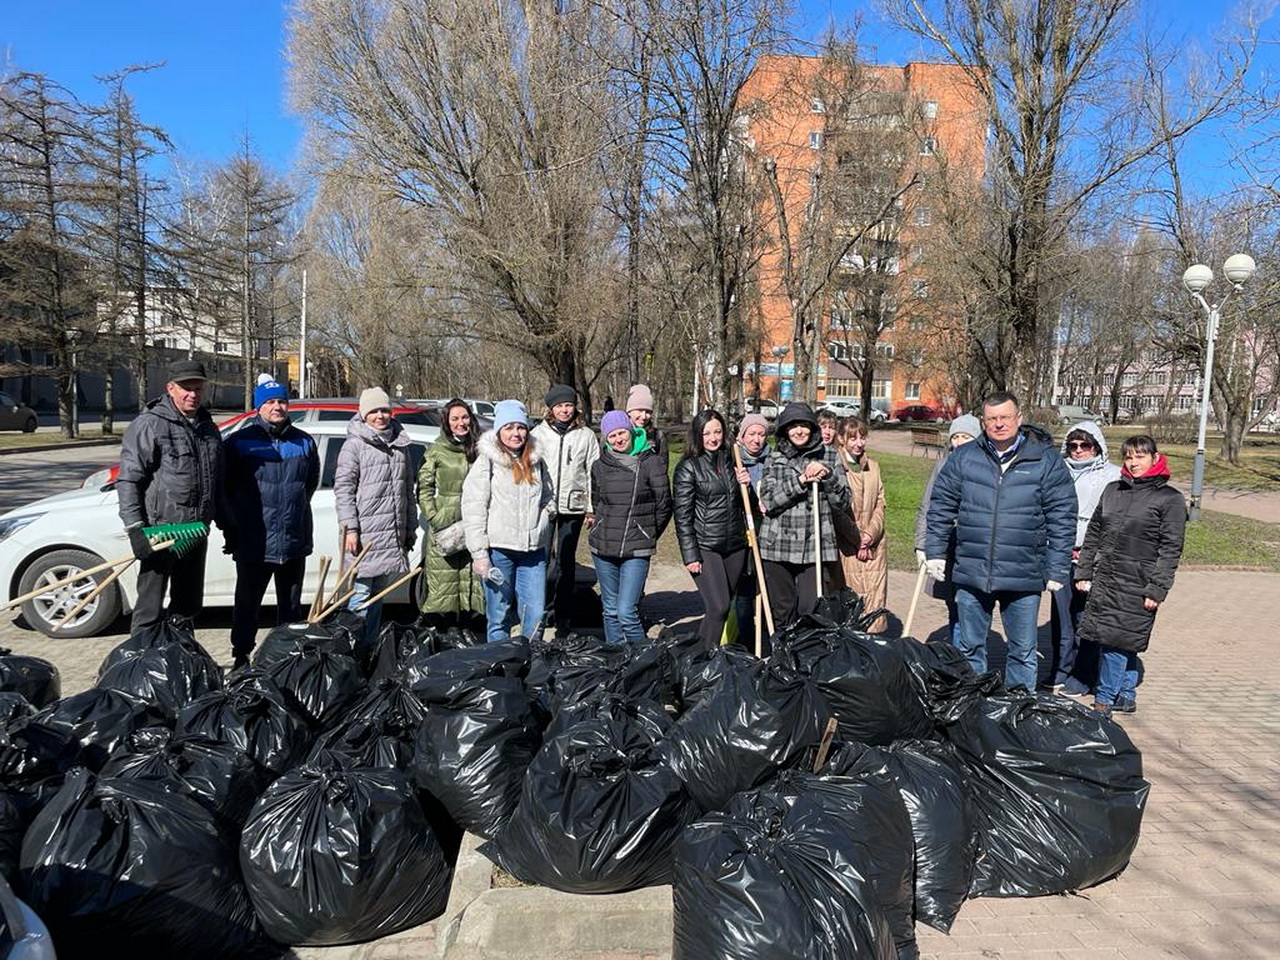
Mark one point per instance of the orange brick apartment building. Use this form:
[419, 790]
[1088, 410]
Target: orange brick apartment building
[939, 124]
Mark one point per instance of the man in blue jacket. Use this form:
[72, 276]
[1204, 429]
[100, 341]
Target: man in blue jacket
[272, 469]
[1010, 499]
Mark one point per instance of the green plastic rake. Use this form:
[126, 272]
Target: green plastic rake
[178, 537]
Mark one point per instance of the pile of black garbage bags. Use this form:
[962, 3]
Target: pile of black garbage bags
[816, 804]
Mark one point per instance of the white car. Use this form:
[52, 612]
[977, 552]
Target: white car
[767, 408]
[846, 407]
[59, 536]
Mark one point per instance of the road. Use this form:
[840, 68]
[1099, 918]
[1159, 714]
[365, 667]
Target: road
[29, 476]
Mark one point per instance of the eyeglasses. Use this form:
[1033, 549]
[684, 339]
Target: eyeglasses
[1079, 445]
[1001, 419]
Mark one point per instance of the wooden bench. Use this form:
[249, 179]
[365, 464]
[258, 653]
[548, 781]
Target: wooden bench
[928, 439]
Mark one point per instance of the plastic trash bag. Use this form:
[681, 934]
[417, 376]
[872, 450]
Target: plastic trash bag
[935, 791]
[318, 681]
[168, 676]
[36, 679]
[435, 676]
[863, 677]
[945, 681]
[218, 774]
[1058, 790]
[700, 669]
[252, 715]
[12, 827]
[283, 641]
[772, 878]
[379, 731]
[600, 808]
[128, 865]
[99, 720]
[33, 760]
[341, 854]
[398, 643]
[759, 718]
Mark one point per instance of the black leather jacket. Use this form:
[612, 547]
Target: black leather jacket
[708, 506]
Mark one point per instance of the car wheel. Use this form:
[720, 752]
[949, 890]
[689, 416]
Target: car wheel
[46, 611]
[30, 425]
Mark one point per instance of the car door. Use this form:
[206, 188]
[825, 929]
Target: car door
[8, 413]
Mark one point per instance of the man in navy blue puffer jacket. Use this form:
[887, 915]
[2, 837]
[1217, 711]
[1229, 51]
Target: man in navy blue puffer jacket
[1010, 499]
[272, 469]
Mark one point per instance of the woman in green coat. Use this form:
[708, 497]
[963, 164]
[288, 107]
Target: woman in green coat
[454, 596]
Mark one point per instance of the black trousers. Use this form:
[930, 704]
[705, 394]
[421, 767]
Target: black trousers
[716, 585]
[184, 578]
[562, 569]
[793, 590]
[251, 585]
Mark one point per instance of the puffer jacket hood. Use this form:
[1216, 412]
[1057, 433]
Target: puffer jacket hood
[1090, 476]
[1093, 430]
[497, 511]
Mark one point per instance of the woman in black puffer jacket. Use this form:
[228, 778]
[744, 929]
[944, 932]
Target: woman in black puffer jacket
[631, 506]
[710, 524]
[1130, 553]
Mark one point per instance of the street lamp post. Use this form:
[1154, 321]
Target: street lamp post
[1238, 269]
[302, 342]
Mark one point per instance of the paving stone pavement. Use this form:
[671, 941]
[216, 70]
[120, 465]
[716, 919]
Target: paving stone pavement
[1204, 882]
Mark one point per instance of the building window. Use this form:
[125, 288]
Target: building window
[920, 289]
[815, 140]
[159, 343]
[928, 146]
[884, 350]
[817, 106]
[913, 391]
[924, 216]
[917, 252]
[220, 346]
[882, 389]
[929, 109]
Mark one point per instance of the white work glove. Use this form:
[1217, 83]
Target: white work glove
[937, 569]
[480, 566]
[1053, 586]
[1084, 586]
[919, 558]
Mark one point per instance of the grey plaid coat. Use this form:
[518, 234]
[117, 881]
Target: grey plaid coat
[786, 532]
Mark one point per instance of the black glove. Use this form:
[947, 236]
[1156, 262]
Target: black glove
[141, 545]
[230, 540]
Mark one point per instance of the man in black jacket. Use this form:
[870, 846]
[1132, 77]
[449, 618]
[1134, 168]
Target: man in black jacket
[170, 472]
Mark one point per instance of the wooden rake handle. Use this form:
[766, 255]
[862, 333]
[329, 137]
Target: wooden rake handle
[317, 602]
[762, 590]
[122, 562]
[334, 605]
[382, 593]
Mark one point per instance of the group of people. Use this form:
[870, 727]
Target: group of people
[1005, 516]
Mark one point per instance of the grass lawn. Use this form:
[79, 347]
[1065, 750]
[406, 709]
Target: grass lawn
[1258, 470]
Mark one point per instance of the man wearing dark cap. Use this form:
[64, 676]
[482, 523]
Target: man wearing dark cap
[568, 449]
[171, 472]
[272, 471]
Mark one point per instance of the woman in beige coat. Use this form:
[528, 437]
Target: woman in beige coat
[864, 555]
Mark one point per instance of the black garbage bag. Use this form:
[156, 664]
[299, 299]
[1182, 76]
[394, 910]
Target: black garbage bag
[611, 706]
[283, 641]
[319, 682]
[436, 676]
[700, 669]
[1059, 794]
[122, 864]
[474, 745]
[13, 824]
[945, 681]
[33, 760]
[252, 715]
[168, 676]
[36, 679]
[600, 808]
[756, 720]
[341, 854]
[14, 706]
[398, 643]
[844, 608]
[565, 670]
[218, 774]
[935, 792]
[864, 678]
[858, 790]
[172, 629]
[772, 878]
[379, 731]
[99, 720]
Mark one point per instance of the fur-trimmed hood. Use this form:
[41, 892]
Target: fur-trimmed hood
[490, 446]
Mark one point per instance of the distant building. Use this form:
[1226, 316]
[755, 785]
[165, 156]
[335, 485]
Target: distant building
[928, 116]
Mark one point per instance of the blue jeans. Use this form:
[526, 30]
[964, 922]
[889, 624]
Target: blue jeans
[1117, 676]
[1064, 622]
[621, 582]
[523, 592]
[365, 587]
[1018, 612]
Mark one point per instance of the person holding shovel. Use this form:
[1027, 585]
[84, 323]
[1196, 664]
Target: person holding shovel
[373, 491]
[711, 527]
[793, 538]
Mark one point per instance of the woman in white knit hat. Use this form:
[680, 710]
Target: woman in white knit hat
[507, 507]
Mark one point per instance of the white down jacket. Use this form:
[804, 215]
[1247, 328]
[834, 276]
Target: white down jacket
[497, 511]
[569, 457]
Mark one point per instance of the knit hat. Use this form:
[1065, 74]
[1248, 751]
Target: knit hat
[639, 397]
[751, 420]
[373, 398]
[614, 420]
[561, 393]
[269, 389]
[509, 411]
[965, 423]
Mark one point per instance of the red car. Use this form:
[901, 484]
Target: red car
[921, 411]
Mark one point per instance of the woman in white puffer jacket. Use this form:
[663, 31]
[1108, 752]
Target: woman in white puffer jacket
[507, 508]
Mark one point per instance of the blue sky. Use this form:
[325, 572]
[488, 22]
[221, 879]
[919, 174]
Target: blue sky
[225, 68]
